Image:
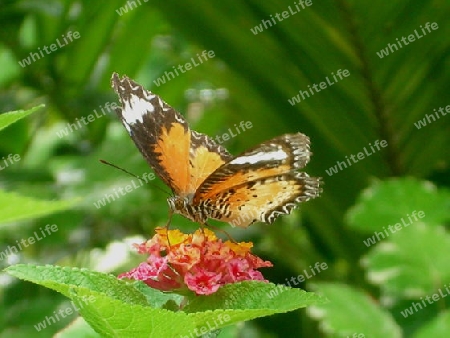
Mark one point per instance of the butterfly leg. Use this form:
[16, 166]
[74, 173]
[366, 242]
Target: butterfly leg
[167, 226]
[220, 230]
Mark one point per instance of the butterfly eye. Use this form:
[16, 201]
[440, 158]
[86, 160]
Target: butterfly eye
[181, 203]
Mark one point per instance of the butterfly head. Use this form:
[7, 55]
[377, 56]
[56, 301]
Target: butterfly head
[178, 204]
[183, 205]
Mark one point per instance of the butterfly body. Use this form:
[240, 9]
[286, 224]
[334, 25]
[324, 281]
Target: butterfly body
[207, 181]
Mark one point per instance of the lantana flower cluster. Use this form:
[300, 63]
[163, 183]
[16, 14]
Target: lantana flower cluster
[199, 262]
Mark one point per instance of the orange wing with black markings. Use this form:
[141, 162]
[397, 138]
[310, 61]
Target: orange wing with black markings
[263, 200]
[260, 184]
[180, 157]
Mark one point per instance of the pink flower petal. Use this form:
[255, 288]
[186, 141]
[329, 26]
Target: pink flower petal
[203, 282]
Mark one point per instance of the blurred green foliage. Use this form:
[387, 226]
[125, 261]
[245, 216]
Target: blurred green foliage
[251, 78]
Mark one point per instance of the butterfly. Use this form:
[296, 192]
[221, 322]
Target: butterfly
[207, 181]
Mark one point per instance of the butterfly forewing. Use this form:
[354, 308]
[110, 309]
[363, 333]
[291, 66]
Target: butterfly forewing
[261, 183]
[180, 157]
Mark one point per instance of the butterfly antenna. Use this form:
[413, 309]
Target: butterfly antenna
[131, 174]
[121, 169]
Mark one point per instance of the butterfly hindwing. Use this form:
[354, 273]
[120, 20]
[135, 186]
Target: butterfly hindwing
[260, 184]
[263, 200]
[180, 157]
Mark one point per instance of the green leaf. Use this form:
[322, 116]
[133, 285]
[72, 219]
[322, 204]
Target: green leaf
[405, 273]
[62, 279]
[14, 207]
[439, 327]
[351, 313]
[156, 298]
[78, 328]
[116, 308]
[111, 306]
[405, 213]
[9, 118]
[255, 295]
[386, 203]
[245, 301]
[113, 318]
